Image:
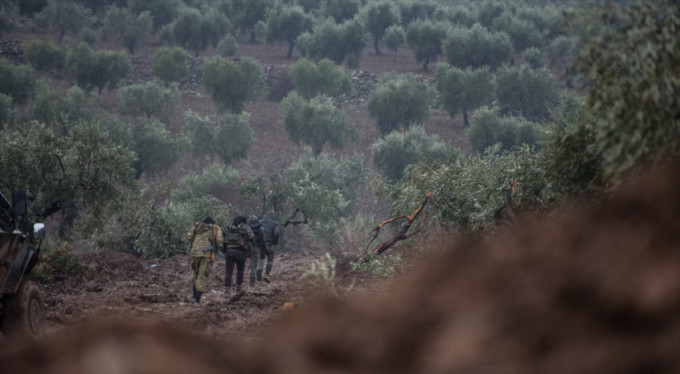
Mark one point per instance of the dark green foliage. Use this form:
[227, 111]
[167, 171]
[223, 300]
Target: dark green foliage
[340, 10]
[194, 30]
[234, 137]
[58, 264]
[58, 109]
[99, 68]
[394, 37]
[247, 13]
[379, 16]
[156, 149]
[170, 64]
[322, 78]
[488, 128]
[399, 100]
[126, 27]
[476, 47]
[9, 14]
[30, 7]
[462, 91]
[216, 180]
[162, 11]
[228, 46]
[523, 33]
[393, 153]
[150, 100]
[467, 192]
[230, 84]
[533, 58]
[315, 122]
[528, 92]
[62, 16]
[561, 52]
[335, 42]
[285, 23]
[66, 174]
[412, 10]
[17, 82]
[229, 136]
[425, 39]
[632, 59]
[571, 163]
[7, 112]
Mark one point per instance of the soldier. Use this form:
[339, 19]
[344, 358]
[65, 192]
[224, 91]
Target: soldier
[257, 248]
[270, 233]
[237, 238]
[203, 239]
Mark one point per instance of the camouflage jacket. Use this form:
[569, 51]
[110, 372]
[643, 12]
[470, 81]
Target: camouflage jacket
[199, 238]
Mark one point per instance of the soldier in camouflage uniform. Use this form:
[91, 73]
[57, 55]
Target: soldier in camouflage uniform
[258, 247]
[204, 239]
[237, 242]
[270, 232]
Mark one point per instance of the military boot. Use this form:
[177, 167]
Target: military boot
[259, 275]
[251, 283]
[227, 290]
[193, 297]
[238, 289]
[198, 298]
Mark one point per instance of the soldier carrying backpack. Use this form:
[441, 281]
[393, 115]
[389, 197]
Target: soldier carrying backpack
[257, 248]
[270, 231]
[237, 238]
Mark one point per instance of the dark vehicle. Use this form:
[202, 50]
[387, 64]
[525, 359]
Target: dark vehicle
[22, 313]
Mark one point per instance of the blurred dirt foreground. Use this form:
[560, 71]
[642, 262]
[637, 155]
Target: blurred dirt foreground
[595, 290]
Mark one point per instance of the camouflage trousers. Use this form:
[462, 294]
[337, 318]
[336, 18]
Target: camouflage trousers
[201, 270]
[269, 252]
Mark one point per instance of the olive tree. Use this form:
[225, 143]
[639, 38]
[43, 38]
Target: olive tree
[43, 54]
[337, 42]
[523, 90]
[476, 47]
[393, 153]
[394, 37]
[127, 28]
[489, 128]
[59, 109]
[63, 16]
[315, 122]
[425, 37]
[340, 10]
[156, 149]
[162, 11]
[285, 23]
[7, 112]
[101, 68]
[378, 17]
[399, 100]
[170, 64]
[232, 84]
[229, 137]
[247, 13]
[151, 100]
[17, 82]
[631, 56]
[462, 91]
[324, 77]
[66, 174]
[194, 30]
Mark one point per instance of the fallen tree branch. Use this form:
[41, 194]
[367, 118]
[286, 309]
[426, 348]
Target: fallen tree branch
[403, 233]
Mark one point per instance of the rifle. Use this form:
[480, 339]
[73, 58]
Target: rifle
[213, 245]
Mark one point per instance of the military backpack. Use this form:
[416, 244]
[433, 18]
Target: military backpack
[234, 235]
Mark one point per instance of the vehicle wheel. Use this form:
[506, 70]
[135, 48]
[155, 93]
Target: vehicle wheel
[23, 314]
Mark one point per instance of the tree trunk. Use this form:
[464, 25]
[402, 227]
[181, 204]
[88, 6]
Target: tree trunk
[465, 118]
[252, 37]
[291, 46]
[427, 61]
[375, 45]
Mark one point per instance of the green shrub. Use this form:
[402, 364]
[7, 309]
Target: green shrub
[58, 264]
[43, 54]
[399, 100]
[230, 84]
[215, 180]
[228, 136]
[150, 100]
[7, 112]
[18, 82]
[488, 129]
[324, 77]
[532, 57]
[321, 273]
[380, 266]
[170, 64]
[227, 47]
[393, 153]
